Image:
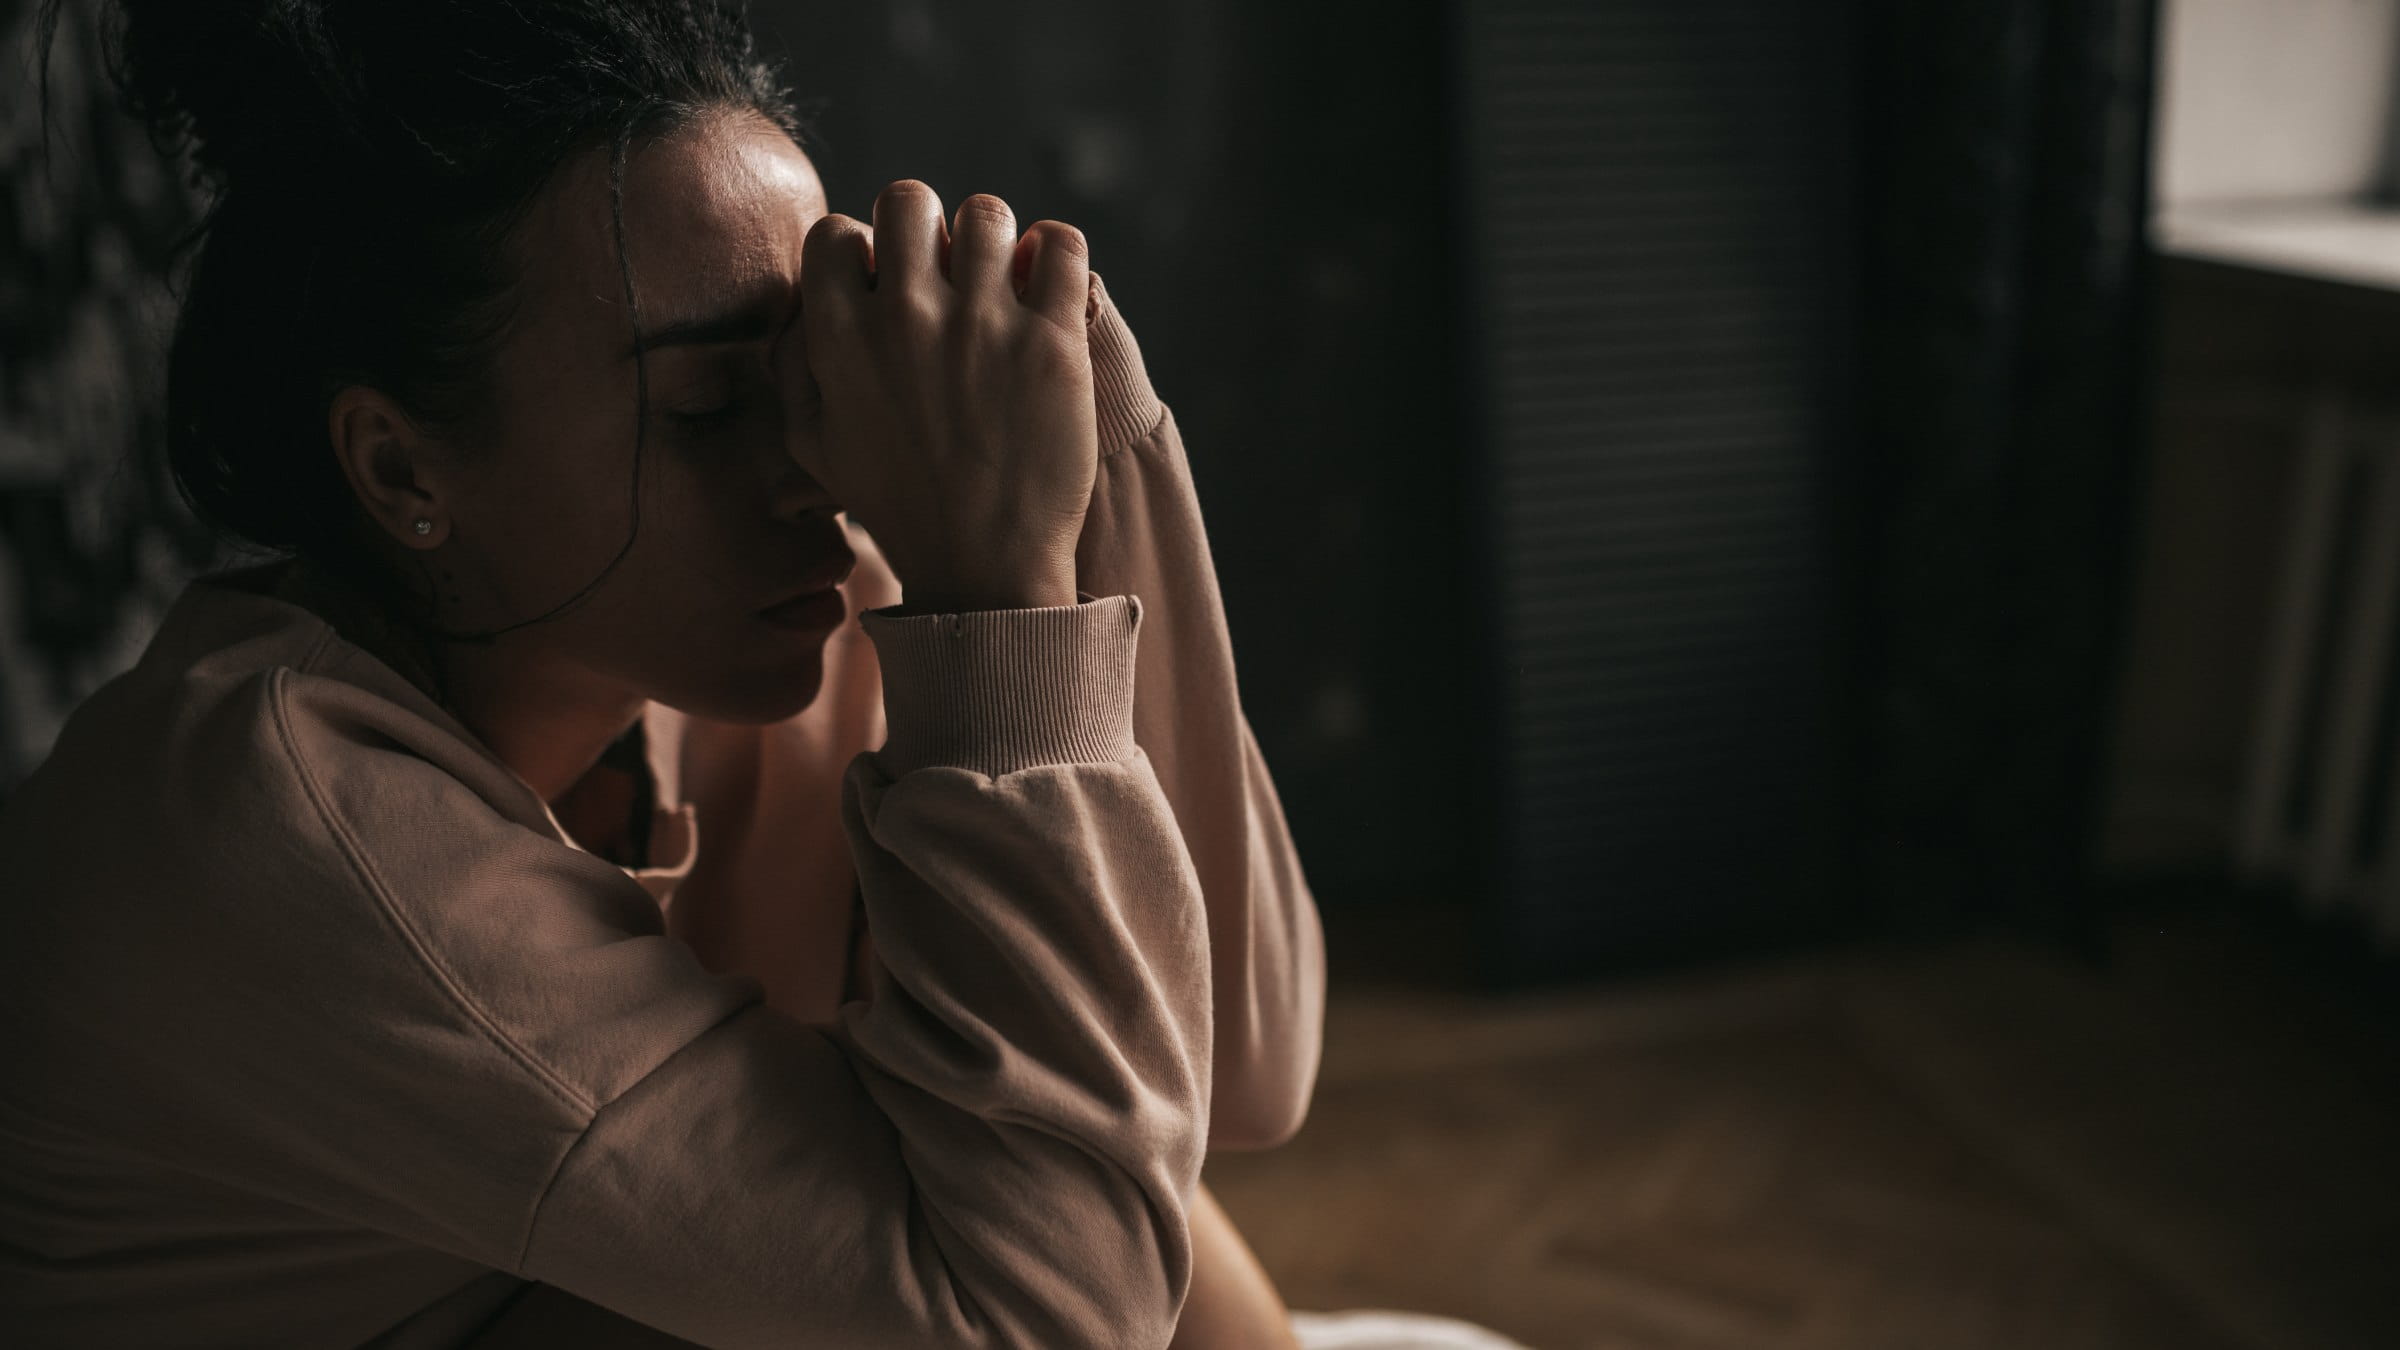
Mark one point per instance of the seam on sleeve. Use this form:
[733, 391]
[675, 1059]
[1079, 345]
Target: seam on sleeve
[1147, 436]
[361, 867]
[1150, 433]
[541, 1198]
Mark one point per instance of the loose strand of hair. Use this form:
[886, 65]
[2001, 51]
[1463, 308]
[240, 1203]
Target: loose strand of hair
[618, 151]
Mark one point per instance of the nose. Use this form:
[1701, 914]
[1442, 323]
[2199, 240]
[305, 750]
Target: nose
[795, 493]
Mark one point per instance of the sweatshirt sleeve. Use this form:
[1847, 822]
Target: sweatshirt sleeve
[422, 1017]
[1143, 536]
[997, 1149]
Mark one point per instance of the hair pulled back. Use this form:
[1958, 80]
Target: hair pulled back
[365, 163]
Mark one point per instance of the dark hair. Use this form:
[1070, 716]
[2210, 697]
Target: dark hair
[366, 164]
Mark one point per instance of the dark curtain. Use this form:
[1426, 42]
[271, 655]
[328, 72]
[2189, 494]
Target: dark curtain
[1658, 267]
[2005, 334]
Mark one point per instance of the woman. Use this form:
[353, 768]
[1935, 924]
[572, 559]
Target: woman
[455, 931]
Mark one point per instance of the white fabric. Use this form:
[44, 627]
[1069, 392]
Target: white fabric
[1383, 1329]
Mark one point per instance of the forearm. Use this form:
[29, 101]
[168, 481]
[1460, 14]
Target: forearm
[1144, 535]
[1233, 1304]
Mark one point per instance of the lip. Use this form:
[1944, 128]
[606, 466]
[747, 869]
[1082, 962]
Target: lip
[818, 602]
[826, 575]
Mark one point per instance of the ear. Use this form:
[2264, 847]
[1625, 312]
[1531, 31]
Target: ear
[393, 467]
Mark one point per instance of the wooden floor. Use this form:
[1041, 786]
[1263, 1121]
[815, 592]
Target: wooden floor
[1938, 1149]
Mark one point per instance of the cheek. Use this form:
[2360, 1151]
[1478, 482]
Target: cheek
[555, 507]
[702, 537]
[689, 530]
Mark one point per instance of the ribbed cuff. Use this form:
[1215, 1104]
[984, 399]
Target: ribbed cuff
[1128, 407]
[1006, 689]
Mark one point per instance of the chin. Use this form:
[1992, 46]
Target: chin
[755, 697]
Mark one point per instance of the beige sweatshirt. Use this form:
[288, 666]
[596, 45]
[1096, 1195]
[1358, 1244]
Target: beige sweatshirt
[324, 1031]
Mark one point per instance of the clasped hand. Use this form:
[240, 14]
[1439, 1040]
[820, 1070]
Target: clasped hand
[947, 371]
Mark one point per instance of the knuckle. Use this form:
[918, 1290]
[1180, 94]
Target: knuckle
[985, 207]
[907, 190]
[1059, 235]
[830, 230]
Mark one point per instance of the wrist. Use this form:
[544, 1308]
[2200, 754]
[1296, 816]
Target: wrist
[915, 600]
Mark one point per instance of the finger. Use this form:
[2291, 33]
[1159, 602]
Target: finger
[908, 237]
[835, 263]
[981, 244]
[1057, 283]
[1020, 261]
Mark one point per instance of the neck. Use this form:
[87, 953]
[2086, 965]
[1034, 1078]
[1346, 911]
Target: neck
[545, 719]
[549, 725]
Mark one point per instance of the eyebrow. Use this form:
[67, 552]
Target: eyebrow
[760, 315]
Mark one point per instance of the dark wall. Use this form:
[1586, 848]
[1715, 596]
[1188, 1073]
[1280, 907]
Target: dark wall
[93, 543]
[1263, 188]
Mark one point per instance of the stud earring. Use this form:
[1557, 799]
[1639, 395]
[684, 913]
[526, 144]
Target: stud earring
[424, 526]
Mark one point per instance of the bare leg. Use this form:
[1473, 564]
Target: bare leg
[1232, 1304]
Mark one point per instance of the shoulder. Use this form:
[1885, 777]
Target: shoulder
[277, 863]
[449, 878]
[258, 751]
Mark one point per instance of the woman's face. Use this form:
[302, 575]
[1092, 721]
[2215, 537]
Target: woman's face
[714, 218]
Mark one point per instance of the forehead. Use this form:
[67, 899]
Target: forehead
[714, 211]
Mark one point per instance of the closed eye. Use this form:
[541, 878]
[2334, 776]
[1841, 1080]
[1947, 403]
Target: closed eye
[704, 424]
[723, 412]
